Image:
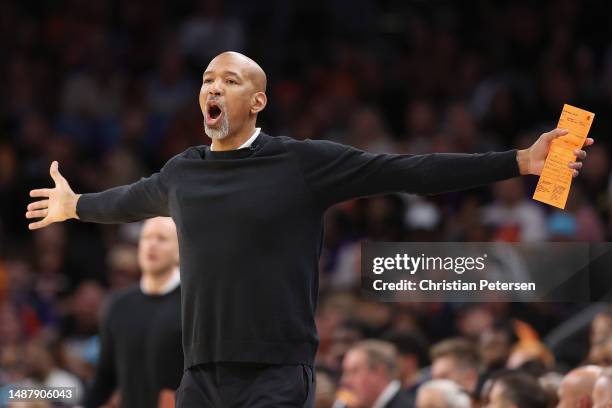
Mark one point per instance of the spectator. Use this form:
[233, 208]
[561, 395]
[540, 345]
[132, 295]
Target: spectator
[43, 370]
[601, 327]
[456, 360]
[495, 345]
[442, 394]
[517, 390]
[602, 391]
[412, 357]
[369, 375]
[576, 389]
[514, 217]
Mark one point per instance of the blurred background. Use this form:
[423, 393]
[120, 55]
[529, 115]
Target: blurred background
[109, 89]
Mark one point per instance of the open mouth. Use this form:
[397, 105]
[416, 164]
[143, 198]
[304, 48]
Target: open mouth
[213, 113]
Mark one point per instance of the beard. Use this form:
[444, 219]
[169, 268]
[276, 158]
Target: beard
[220, 131]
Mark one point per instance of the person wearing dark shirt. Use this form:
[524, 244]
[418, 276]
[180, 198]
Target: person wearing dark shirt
[141, 352]
[249, 213]
[370, 377]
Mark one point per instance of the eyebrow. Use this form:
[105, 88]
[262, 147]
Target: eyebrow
[224, 73]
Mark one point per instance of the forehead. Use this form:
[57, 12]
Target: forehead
[354, 358]
[228, 63]
[430, 397]
[158, 226]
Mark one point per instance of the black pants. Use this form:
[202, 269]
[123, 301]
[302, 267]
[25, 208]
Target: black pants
[249, 385]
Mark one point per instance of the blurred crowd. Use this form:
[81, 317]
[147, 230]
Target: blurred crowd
[109, 89]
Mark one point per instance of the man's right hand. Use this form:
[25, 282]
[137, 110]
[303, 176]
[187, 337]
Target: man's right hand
[59, 203]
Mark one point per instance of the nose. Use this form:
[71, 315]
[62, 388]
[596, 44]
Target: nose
[214, 89]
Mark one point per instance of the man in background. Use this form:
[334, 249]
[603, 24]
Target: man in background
[577, 387]
[141, 352]
[602, 392]
[517, 390]
[456, 360]
[369, 377]
[442, 394]
[412, 357]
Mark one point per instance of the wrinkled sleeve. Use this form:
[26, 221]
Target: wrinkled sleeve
[146, 198]
[337, 172]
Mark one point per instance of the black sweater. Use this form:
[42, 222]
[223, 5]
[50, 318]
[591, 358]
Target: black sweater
[250, 227]
[141, 351]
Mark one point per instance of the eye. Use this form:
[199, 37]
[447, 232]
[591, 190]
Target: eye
[231, 81]
[207, 81]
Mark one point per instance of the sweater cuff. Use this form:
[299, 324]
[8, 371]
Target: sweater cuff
[82, 207]
[509, 164]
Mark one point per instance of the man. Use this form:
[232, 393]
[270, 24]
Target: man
[250, 207]
[456, 360]
[369, 376]
[495, 344]
[517, 390]
[601, 338]
[412, 356]
[602, 392]
[141, 352]
[577, 386]
[441, 394]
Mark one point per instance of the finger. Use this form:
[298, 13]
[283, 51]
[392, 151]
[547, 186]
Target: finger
[580, 154]
[55, 174]
[37, 205]
[575, 165]
[575, 173]
[40, 224]
[41, 192]
[37, 213]
[555, 133]
[589, 141]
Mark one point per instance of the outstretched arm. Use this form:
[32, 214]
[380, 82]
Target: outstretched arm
[145, 198]
[335, 172]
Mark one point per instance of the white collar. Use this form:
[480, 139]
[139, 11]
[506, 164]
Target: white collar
[249, 142]
[169, 286]
[387, 394]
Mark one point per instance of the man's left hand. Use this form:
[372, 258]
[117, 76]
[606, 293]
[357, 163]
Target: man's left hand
[531, 160]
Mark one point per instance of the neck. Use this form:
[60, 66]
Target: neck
[154, 284]
[411, 379]
[234, 141]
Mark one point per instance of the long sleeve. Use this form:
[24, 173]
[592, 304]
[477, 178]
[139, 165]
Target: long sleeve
[146, 198]
[336, 172]
[105, 380]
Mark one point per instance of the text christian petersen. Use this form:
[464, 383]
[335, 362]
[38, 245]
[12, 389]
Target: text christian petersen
[405, 263]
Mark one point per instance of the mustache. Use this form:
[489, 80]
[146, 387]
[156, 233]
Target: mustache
[216, 100]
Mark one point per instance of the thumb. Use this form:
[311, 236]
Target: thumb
[555, 133]
[55, 174]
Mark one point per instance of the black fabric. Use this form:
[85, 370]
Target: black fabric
[401, 399]
[250, 227]
[253, 385]
[141, 351]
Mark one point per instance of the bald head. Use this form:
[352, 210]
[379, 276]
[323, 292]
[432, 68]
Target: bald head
[250, 69]
[577, 386]
[602, 392]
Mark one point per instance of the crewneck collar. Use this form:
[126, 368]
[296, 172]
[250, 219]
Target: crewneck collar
[256, 141]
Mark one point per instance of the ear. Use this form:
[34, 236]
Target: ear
[258, 102]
